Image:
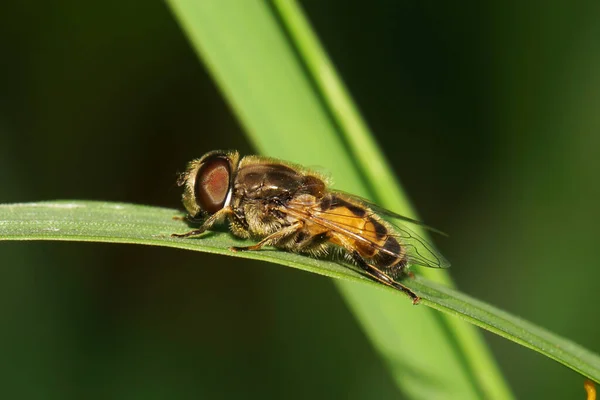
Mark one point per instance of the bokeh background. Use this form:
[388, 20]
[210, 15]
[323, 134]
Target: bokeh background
[488, 111]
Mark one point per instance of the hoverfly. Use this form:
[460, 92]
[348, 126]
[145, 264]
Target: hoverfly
[292, 208]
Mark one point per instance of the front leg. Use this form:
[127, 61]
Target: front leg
[206, 225]
[272, 238]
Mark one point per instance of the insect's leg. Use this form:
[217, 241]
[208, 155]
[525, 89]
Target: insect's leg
[311, 242]
[375, 272]
[210, 221]
[187, 218]
[272, 238]
[381, 277]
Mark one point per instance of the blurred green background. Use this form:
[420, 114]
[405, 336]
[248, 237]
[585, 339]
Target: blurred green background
[488, 113]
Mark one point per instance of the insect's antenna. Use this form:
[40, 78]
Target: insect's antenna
[178, 182]
[172, 187]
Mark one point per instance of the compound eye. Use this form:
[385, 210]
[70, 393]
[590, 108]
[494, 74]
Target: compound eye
[212, 184]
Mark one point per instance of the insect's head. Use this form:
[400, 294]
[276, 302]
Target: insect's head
[208, 182]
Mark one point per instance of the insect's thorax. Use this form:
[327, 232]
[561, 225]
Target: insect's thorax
[260, 190]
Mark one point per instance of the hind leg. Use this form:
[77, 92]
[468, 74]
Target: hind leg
[380, 276]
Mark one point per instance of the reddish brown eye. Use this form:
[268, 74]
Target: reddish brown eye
[212, 184]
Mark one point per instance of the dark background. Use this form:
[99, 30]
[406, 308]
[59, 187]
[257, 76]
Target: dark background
[487, 112]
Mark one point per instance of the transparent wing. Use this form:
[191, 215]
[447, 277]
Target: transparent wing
[384, 211]
[419, 251]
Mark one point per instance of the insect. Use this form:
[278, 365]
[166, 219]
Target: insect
[292, 208]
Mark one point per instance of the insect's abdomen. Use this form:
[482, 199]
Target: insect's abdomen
[392, 258]
[379, 247]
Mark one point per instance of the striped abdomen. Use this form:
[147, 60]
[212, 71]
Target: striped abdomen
[357, 227]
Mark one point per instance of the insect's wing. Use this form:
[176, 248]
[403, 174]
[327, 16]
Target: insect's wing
[419, 251]
[388, 213]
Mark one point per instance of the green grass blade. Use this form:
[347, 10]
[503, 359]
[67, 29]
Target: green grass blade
[382, 182]
[264, 77]
[128, 223]
[356, 133]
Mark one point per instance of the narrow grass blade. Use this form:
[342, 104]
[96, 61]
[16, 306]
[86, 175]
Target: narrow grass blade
[265, 78]
[88, 221]
[382, 183]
